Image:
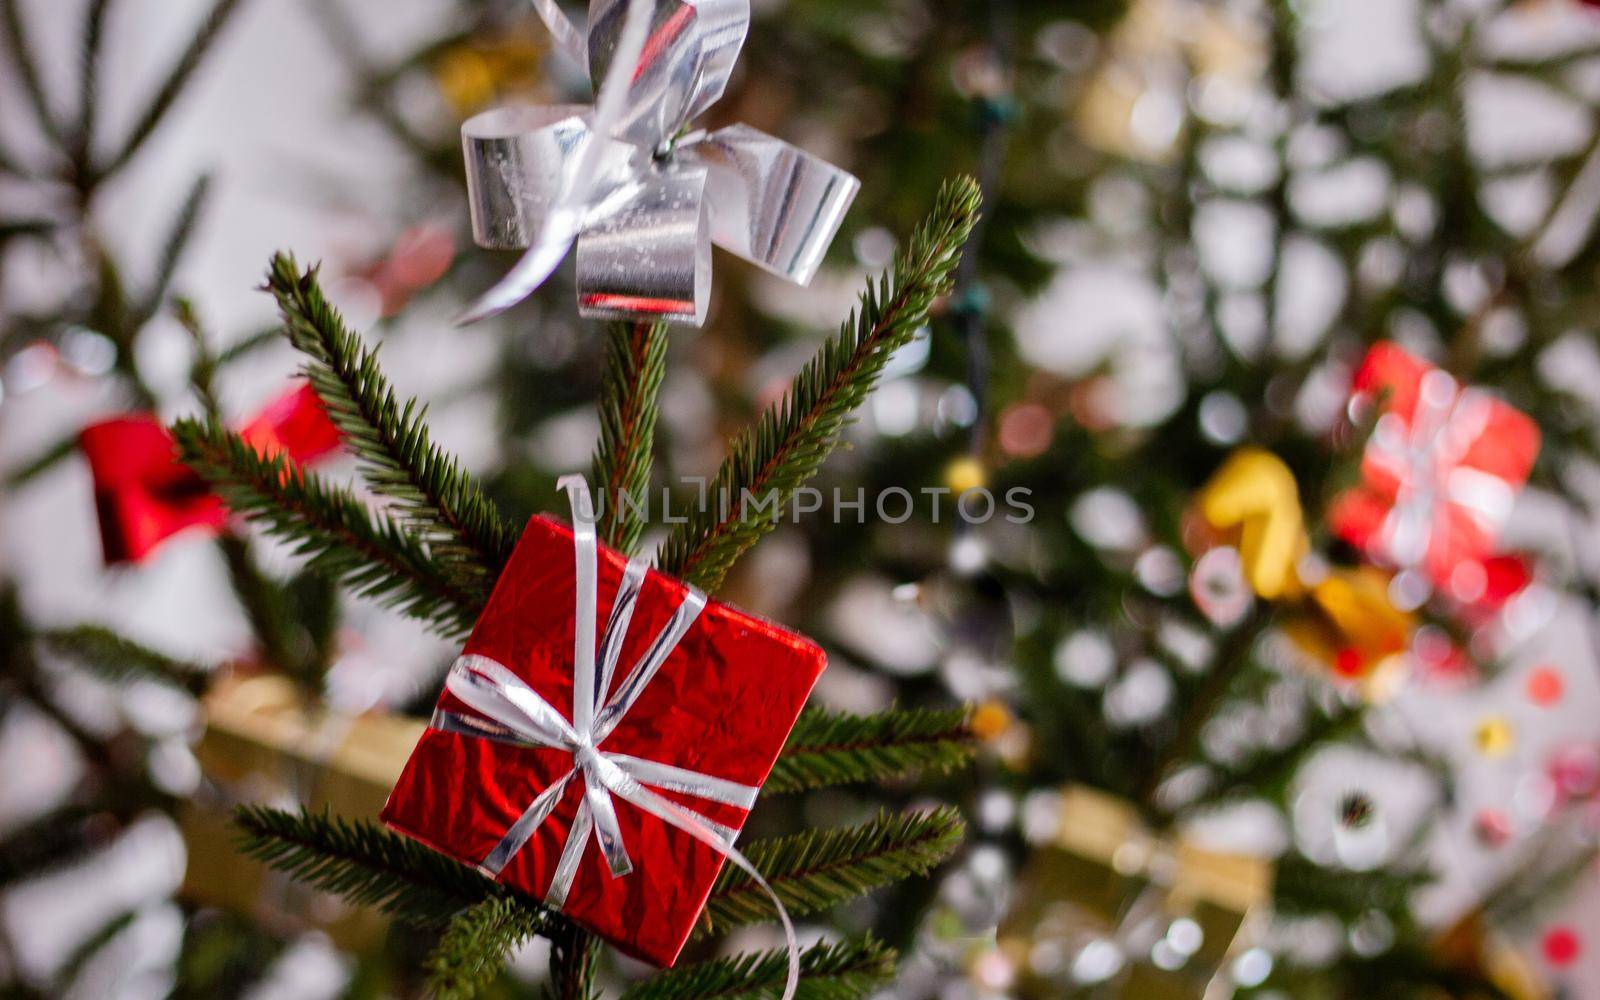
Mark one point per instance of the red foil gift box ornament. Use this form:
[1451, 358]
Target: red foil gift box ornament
[144, 495]
[1439, 475]
[606, 772]
[296, 425]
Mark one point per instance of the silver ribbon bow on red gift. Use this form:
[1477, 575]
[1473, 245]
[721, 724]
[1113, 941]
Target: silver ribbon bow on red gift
[642, 197]
[506, 709]
[1426, 458]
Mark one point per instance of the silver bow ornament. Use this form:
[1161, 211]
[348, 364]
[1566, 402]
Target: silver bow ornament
[505, 709]
[1427, 458]
[641, 196]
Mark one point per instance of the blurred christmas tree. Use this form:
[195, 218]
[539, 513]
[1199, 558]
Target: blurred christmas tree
[1199, 217]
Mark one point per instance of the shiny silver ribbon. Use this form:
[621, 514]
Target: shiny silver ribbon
[506, 710]
[641, 197]
[1425, 457]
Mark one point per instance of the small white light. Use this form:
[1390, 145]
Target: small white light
[1167, 958]
[894, 408]
[1097, 962]
[997, 810]
[968, 554]
[89, 352]
[1223, 419]
[1186, 936]
[1408, 590]
[1085, 659]
[1159, 571]
[1252, 967]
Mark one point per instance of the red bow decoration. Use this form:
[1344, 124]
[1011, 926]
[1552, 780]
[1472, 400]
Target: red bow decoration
[1439, 476]
[144, 495]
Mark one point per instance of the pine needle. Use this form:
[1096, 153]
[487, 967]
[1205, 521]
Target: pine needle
[837, 748]
[177, 241]
[475, 945]
[119, 659]
[94, 31]
[815, 870]
[636, 362]
[369, 866]
[173, 86]
[20, 48]
[367, 551]
[431, 492]
[790, 441]
[843, 971]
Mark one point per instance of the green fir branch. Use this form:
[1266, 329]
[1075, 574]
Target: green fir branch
[475, 945]
[1301, 887]
[843, 971]
[636, 362]
[836, 748]
[94, 31]
[362, 862]
[86, 949]
[46, 842]
[177, 241]
[283, 643]
[463, 530]
[119, 659]
[790, 441]
[10, 164]
[814, 870]
[365, 550]
[16, 229]
[172, 87]
[42, 462]
[249, 345]
[20, 49]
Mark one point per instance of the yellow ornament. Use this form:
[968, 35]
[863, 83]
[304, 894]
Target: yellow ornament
[1494, 736]
[1349, 625]
[1474, 947]
[474, 74]
[1254, 496]
[965, 474]
[991, 720]
[464, 78]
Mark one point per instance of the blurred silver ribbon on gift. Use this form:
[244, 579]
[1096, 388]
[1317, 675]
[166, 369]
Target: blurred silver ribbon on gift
[1427, 460]
[506, 710]
[642, 197]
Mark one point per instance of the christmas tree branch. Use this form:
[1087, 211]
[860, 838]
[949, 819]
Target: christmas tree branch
[177, 241]
[119, 659]
[836, 748]
[86, 950]
[574, 958]
[367, 865]
[636, 356]
[788, 444]
[463, 529]
[172, 87]
[365, 550]
[20, 50]
[1231, 660]
[636, 361]
[842, 971]
[475, 945]
[45, 842]
[262, 603]
[42, 462]
[94, 32]
[812, 871]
